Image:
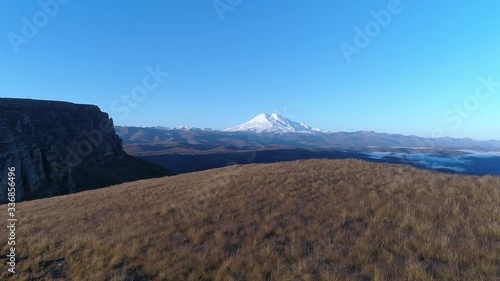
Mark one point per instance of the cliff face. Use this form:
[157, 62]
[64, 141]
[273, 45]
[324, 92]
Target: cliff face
[60, 148]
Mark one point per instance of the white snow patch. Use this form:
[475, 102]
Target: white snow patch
[273, 123]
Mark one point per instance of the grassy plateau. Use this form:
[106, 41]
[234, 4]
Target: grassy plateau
[301, 220]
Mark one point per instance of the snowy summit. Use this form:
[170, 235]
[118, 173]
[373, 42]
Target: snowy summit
[272, 123]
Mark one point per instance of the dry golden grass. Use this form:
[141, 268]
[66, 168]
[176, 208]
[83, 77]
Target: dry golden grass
[303, 220]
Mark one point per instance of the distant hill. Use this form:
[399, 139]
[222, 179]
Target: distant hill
[304, 220]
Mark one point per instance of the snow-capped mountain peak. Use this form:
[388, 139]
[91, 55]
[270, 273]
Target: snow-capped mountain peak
[273, 123]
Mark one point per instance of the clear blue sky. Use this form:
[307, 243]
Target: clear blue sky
[264, 56]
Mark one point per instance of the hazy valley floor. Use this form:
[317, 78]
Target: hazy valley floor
[303, 220]
[181, 160]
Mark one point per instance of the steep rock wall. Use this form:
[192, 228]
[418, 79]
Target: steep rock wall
[59, 148]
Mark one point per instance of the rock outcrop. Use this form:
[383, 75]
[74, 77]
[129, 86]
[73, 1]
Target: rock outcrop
[60, 148]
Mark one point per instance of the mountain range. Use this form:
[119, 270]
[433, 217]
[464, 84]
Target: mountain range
[266, 129]
[270, 138]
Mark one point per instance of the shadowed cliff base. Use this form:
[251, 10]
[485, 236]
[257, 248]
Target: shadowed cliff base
[59, 148]
[302, 220]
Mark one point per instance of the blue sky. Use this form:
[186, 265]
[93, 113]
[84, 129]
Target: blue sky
[422, 71]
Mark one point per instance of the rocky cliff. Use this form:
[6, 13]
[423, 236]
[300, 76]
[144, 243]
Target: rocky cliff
[60, 148]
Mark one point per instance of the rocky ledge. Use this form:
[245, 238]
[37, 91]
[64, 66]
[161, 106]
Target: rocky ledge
[59, 148]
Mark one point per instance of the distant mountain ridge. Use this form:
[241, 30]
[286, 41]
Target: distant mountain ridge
[176, 128]
[279, 130]
[270, 138]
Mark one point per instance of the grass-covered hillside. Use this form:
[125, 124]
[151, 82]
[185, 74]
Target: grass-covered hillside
[303, 220]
